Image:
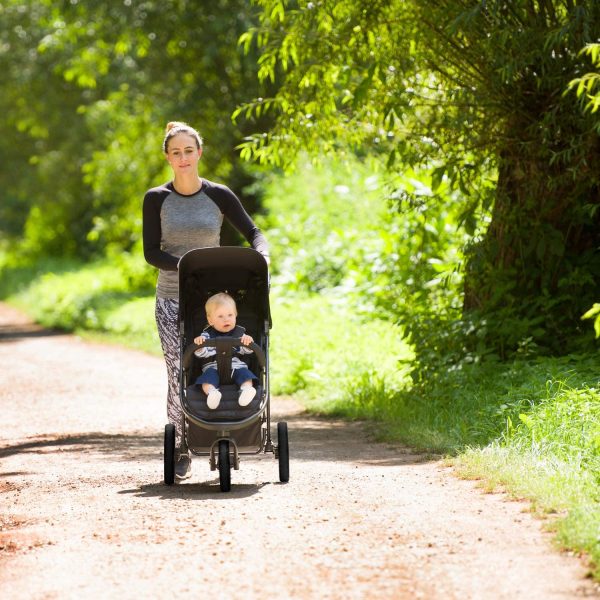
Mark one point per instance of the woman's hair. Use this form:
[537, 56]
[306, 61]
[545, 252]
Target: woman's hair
[219, 300]
[175, 127]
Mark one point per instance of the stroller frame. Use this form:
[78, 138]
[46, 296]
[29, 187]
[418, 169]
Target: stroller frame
[226, 433]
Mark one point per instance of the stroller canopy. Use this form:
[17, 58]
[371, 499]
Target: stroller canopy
[224, 268]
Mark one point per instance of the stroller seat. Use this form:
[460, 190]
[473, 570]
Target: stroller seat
[228, 409]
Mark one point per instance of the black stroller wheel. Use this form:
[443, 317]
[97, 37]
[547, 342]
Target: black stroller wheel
[283, 452]
[169, 454]
[224, 466]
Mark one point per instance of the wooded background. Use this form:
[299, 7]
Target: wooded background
[477, 118]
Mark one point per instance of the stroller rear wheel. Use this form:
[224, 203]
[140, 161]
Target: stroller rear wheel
[169, 454]
[224, 466]
[283, 452]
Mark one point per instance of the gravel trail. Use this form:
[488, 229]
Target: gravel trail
[84, 512]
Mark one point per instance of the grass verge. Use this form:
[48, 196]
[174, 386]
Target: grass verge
[531, 428]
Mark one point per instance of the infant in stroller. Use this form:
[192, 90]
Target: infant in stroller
[221, 314]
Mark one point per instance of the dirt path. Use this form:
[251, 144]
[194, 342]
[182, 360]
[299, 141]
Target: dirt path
[84, 512]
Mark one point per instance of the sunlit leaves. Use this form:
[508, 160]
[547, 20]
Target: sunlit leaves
[470, 91]
[587, 87]
[87, 90]
[594, 313]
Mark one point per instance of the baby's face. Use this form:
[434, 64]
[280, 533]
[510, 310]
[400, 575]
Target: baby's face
[222, 317]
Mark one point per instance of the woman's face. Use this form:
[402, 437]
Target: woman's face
[183, 154]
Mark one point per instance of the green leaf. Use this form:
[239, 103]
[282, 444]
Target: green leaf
[437, 176]
[595, 310]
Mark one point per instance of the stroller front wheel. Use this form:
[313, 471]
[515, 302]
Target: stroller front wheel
[224, 466]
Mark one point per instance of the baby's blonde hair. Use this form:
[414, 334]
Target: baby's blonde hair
[219, 300]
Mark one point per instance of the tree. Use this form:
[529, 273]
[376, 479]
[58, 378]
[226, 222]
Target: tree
[87, 90]
[472, 90]
[38, 148]
[588, 91]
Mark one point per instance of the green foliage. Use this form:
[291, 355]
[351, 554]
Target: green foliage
[322, 221]
[17, 275]
[565, 424]
[42, 158]
[359, 232]
[594, 312]
[417, 81]
[112, 296]
[475, 93]
[385, 247]
[87, 90]
[587, 87]
[322, 350]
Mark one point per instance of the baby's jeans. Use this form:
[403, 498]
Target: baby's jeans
[239, 375]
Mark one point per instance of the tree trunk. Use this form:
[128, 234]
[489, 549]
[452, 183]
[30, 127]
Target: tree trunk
[536, 270]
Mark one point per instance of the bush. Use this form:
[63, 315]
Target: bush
[113, 295]
[324, 352]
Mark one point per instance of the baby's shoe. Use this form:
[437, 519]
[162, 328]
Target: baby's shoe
[213, 398]
[247, 394]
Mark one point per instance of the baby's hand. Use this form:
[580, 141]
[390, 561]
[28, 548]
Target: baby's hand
[199, 340]
[246, 339]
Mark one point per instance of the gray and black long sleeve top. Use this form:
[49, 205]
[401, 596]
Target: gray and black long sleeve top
[174, 223]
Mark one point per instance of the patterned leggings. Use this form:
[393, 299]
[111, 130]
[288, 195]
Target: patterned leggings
[167, 321]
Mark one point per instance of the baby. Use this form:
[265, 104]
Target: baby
[221, 314]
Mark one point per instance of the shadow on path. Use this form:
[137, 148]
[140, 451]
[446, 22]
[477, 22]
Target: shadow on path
[323, 439]
[129, 446]
[311, 439]
[207, 490]
[13, 333]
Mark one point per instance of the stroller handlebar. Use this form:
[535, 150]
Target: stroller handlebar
[223, 341]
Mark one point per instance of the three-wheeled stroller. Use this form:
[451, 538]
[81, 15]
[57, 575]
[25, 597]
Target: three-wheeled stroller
[225, 433]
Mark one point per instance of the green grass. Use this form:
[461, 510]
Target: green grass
[326, 354]
[531, 427]
[549, 453]
[94, 300]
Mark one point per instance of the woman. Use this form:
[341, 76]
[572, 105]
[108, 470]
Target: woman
[181, 215]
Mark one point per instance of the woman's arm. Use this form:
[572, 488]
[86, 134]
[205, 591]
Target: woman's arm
[152, 231]
[229, 204]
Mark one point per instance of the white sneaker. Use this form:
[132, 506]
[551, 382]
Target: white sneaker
[247, 394]
[213, 398]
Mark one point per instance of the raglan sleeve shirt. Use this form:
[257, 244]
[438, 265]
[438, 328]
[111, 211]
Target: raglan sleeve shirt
[232, 208]
[152, 234]
[175, 223]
